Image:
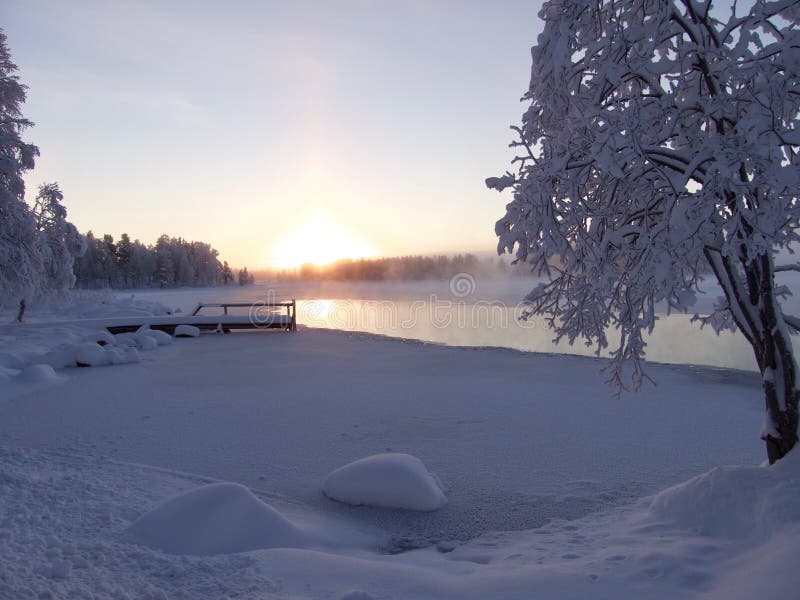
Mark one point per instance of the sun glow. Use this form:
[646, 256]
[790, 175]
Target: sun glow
[320, 241]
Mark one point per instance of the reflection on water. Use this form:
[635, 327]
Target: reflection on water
[437, 312]
[485, 323]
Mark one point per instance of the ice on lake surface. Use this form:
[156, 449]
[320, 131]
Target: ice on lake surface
[278, 412]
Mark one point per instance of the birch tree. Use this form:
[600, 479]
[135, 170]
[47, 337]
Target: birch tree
[660, 146]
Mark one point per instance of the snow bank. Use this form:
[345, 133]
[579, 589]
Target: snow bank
[220, 518]
[57, 336]
[186, 331]
[742, 502]
[111, 305]
[387, 480]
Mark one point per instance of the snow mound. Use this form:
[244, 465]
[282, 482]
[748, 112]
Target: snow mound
[91, 354]
[39, 373]
[220, 518]
[743, 502]
[387, 480]
[186, 331]
[162, 338]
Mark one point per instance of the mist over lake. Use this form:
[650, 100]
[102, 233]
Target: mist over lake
[484, 313]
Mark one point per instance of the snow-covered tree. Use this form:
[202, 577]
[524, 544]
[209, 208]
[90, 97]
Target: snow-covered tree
[165, 265]
[227, 274]
[58, 240]
[245, 277]
[20, 263]
[660, 146]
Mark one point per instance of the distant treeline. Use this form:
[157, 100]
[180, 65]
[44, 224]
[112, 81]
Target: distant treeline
[170, 262]
[388, 269]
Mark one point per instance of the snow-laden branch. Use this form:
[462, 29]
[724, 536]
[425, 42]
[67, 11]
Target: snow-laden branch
[661, 140]
[793, 267]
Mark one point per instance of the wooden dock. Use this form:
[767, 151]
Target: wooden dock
[260, 315]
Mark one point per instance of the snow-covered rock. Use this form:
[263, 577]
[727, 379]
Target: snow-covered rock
[162, 338]
[90, 354]
[220, 518]
[186, 331]
[39, 373]
[391, 480]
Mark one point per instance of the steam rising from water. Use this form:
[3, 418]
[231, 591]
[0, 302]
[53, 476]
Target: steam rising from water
[468, 312]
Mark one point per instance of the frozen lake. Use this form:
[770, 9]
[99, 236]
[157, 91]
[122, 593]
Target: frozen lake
[477, 312]
[277, 412]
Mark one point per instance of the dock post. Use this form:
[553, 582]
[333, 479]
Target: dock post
[294, 315]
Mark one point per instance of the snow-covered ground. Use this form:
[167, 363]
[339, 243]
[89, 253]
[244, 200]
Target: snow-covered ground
[552, 484]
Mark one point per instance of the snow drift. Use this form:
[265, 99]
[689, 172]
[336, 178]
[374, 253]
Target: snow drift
[741, 502]
[220, 518]
[387, 480]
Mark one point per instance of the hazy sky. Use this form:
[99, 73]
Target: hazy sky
[277, 128]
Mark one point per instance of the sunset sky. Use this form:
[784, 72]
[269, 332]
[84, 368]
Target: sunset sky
[277, 131]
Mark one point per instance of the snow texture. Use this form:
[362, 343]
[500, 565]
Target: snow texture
[391, 480]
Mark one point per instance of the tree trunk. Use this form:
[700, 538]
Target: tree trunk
[778, 370]
[750, 291]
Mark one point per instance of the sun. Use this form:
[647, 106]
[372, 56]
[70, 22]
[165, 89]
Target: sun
[319, 241]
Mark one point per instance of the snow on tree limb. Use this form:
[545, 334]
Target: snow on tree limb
[663, 138]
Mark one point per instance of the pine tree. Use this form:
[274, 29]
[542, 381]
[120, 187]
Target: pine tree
[227, 274]
[58, 240]
[20, 262]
